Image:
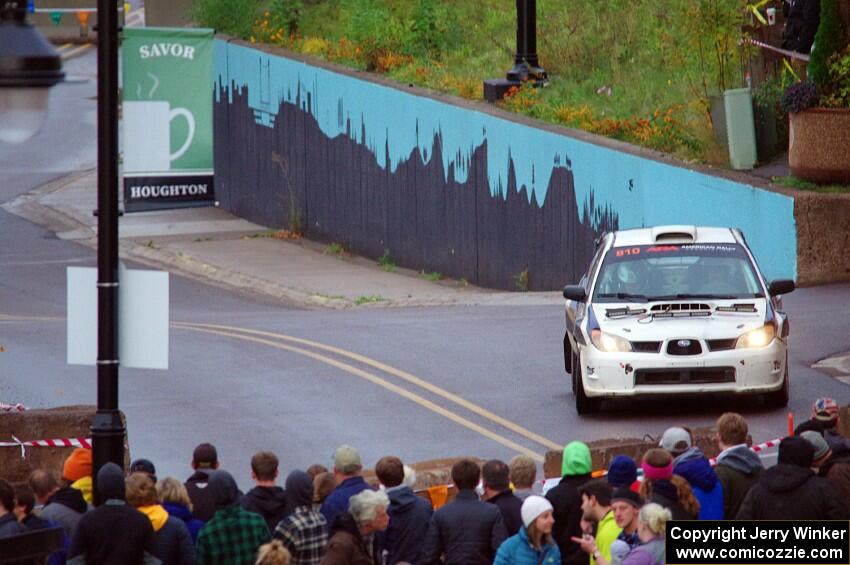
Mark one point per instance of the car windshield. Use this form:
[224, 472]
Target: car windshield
[676, 272]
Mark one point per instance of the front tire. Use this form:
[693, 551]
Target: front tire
[584, 404]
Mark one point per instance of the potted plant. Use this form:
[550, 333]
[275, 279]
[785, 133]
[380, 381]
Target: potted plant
[819, 108]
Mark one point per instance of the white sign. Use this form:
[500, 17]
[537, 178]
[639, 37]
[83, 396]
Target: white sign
[143, 306]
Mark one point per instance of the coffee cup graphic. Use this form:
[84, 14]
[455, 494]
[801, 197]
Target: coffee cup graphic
[147, 135]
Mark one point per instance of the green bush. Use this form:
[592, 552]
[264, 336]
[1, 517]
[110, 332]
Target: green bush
[829, 40]
[231, 17]
[434, 29]
[286, 14]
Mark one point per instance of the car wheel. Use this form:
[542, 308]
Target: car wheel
[584, 404]
[779, 398]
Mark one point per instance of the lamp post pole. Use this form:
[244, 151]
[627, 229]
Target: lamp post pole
[108, 429]
[526, 66]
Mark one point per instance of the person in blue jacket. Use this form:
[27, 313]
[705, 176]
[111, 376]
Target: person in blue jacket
[690, 464]
[533, 544]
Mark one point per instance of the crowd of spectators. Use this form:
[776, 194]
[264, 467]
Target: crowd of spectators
[499, 515]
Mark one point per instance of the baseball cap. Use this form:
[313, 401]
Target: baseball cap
[627, 495]
[676, 440]
[144, 466]
[825, 409]
[347, 459]
[205, 456]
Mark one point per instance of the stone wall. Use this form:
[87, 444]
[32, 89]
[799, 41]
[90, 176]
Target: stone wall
[823, 237]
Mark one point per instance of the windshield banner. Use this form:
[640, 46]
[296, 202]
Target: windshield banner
[167, 118]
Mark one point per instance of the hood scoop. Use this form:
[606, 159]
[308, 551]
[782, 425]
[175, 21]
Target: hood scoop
[680, 310]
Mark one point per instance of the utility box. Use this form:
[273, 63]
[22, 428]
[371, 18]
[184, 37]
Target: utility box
[740, 128]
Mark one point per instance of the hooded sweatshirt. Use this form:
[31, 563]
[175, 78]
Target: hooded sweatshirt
[65, 507]
[409, 517]
[566, 502]
[304, 532]
[182, 512]
[269, 502]
[112, 533]
[738, 468]
[693, 466]
[791, 492]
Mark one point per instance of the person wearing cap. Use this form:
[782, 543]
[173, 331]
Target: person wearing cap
[113, 533]
[825, 420]
[204, 463]
[347, 471]
[143, 466]
[625, 504]
[409, 514]
[566, 502]
[660, 485]
[738, 467]
[77, 472]
[596, 509]
[832, 467]
[533, 544]
[791, 491]
[690, 464]
[61, 505]
[304, 532]
[622, 472]
[233, 535]
[173, 542]
[466, 531]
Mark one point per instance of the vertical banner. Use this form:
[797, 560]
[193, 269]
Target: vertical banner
[168, 118]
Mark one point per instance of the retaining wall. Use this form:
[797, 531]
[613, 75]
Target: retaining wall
[446, 185]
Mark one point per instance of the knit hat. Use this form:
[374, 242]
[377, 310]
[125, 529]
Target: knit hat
[77, 465]
[622, 471]
[533, 507]
[625, 494]
[825, 409]
[817, 441]
[676, 440]
[657, 464]
[576, 459]
[110, 482]
[347, 459]
[795, 450]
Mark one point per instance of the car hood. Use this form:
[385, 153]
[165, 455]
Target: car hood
[714, 319]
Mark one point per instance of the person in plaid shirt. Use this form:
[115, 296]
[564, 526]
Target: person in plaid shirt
[304, 532]
[233, 535]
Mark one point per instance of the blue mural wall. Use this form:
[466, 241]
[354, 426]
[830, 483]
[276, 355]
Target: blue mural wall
[448, 188]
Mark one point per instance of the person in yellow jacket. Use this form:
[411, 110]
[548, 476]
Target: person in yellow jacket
[596, 507]
[173, 542]
[77, 472]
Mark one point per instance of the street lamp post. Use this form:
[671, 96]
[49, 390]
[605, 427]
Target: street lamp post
[526, 66]
[29, 66]
[108, 429]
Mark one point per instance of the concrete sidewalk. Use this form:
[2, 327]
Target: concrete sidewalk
[214, 246]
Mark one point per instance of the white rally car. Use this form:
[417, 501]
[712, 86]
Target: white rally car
[675, 310]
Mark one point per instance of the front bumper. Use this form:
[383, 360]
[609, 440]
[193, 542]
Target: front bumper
[736, 371]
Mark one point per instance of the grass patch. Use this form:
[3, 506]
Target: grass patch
[434, 276]
[274, 234]
[361, 300]
[386, 263]
[800, 184]
[336, 249]
[521, 281]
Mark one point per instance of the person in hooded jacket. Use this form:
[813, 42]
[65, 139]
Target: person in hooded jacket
[266, 499]
[826, 420]
[62, 505]
[173, 542]
[204, 462]
[353, 533]
[174, 498]
[690, 464]
[566, 502]
[409, 514]
[790, 490]
[304, 532]
[738, 467]
[835, 469]
[114, 533]
[533, 544]
[662, 486]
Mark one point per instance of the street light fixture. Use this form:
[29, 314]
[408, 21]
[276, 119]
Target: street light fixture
[29, 66]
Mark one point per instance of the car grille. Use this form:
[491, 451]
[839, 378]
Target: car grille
[692, 348]
[646, 346]
[721, 344]
[697, 375]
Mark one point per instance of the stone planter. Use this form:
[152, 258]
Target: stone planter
[819, 145]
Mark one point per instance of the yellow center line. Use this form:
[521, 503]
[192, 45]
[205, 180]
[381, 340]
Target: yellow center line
[375, 380]
[63, 47]
[71, 52]
[430, 387]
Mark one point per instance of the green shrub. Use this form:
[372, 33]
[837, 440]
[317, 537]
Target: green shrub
[434, 29]
[374, 28]
[829, 40]
[286, 14]
[231, 17]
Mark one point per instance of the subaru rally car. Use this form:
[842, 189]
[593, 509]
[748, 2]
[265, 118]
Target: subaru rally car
[675, 310]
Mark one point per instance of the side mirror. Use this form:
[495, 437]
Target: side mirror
[781, 286]
[575, 292]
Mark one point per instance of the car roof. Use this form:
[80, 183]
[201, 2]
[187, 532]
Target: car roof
[673, 234]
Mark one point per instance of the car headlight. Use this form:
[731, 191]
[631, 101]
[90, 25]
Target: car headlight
[609, 343]
[760, 337]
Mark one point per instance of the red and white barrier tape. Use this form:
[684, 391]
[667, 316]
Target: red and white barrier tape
[83, 442]
[12, 407]
[757, 448]
[785, 52]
